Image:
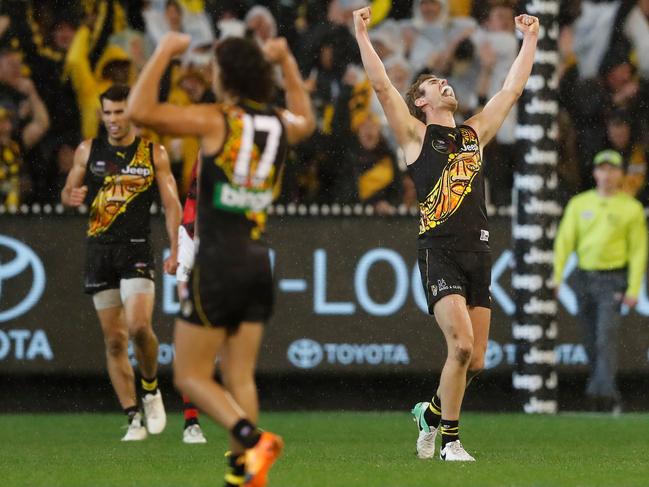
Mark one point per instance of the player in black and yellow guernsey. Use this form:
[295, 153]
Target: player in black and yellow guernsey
[117, 174]
[445, 162]
[230, 289]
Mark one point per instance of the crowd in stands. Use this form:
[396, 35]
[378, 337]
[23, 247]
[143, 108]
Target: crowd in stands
[57, 56]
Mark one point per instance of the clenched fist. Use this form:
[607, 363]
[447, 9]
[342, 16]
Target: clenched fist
[175, 43]
[276, 50]
[171, 264]
[78, 196]
[362, 18]
[527, 24]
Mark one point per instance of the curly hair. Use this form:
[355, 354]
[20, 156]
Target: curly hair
[415, 92]
[243, 69]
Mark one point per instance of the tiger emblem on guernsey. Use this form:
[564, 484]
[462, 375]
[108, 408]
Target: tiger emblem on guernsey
[120, 189]
[454, 185]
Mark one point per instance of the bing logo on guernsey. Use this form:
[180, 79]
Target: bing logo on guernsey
[240, 200]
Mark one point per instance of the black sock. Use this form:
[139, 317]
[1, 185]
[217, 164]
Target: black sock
[450, 431]
[433, 413]
[190, 413]
[246, 433]
[131, 412]
[235, 474]
[149, 386]
[190, 422]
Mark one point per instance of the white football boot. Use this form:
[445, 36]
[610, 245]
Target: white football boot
[136, 430]
[455, 452]
[154, 413]
[193, 434]
[427, 435]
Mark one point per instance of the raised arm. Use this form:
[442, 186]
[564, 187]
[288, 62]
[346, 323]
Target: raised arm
[298, 118]
[487, 122]
[408, 131]
[145, 109]
[170, 202]
[74, 192]
[40, 122]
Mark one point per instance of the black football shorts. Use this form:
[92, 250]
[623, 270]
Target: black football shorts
[445, 272]
[227, 288]
[108, 263]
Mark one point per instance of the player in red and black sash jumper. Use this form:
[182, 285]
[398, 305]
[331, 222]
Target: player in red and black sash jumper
[192, 432]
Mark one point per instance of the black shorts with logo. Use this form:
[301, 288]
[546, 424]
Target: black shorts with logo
[227, 288]
[445, 272]
[108, 263]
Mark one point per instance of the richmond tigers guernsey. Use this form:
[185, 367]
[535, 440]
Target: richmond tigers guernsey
[120, 184]
[238, 184]
[449, 179]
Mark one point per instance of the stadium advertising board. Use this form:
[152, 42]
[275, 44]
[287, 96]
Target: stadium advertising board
[536, 214]
[349, 300]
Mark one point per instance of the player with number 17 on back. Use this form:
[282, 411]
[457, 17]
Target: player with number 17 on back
[230, 292]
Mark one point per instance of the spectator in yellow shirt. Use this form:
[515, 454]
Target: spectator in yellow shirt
[620, 137]
[93, 64]
[10, 162]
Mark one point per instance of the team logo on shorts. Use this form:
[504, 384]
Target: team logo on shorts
[433, 290]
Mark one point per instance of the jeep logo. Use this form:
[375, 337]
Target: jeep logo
[137, 171]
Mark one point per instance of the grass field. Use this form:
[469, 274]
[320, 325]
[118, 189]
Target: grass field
[332, 449]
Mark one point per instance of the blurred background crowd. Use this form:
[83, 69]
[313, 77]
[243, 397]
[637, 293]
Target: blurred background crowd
[57, 56]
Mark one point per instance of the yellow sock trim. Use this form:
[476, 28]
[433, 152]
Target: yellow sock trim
[434, 409]
[150, 386]
[235, 479]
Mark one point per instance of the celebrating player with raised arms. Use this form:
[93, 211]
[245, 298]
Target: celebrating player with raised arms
[230, 289]
[445, 162]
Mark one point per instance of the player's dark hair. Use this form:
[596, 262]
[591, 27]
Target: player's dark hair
[243, 70]
[415, 92]
[117, 92]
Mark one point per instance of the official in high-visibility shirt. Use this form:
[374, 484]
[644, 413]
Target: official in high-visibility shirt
[608, 230]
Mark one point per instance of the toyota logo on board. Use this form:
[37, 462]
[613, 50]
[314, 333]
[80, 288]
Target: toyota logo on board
[24, 260]
[305, 353]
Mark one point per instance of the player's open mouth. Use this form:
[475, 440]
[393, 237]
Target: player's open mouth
[448, 91]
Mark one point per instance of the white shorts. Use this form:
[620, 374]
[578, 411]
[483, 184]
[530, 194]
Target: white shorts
[186, 249]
